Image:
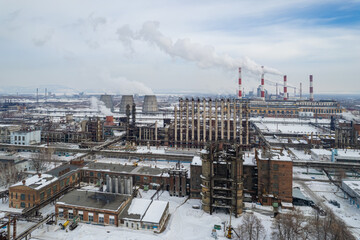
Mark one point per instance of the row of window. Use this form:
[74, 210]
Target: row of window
[19, 138]
[90, 217]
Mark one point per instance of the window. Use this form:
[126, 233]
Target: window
[42, 195]
[16, 195]
[28, 197]
[101, 219]
[137, 178]
[23, 138]
[91, 218]
[112, 221]
[67, 181]
[132, 225]
[91, 174]
[276, 167]
[22, 204]
[48, 192]
[71, 215]
[73, 177]
[61, 214]
[81, 216]
[22, 196]
[99, 175]
[55, 188]
[127, 224]
[33, 198]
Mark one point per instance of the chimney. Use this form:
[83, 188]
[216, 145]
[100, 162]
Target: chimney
[39, 174]
[240, 91]
[262, 84]
[311, 88]
[285, 89]
[23, 182]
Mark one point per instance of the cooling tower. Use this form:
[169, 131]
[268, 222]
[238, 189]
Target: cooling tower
[107, 99]
[150, 104]
[126, 100]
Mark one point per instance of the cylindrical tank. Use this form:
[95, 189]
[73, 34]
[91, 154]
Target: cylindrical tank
[150, 104]
[113, 184]
[130, 185]
[122, 186]
[116, 185]
[126, 100]
[107, 183]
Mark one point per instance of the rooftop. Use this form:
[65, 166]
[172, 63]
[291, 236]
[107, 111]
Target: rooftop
[37, 181]
[95, 200]
[128, 169]
[136, 210]
[155, 211]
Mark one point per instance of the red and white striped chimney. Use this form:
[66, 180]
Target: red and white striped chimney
[262, 84]
[311, 88]
[240, 87]
[285, 89]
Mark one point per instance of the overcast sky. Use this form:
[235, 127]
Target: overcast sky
[195, 46]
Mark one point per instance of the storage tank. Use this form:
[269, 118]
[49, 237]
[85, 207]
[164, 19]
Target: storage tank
[126, 100]
[116, 185]
[107, 183]
[122, 185]
[150, 104]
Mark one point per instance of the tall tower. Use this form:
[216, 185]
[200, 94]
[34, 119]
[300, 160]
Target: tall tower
[262, 84]
[285, 89]
[240, 86]
[311, 88]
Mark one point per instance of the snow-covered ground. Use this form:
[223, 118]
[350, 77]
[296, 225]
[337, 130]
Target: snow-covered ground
[184, 223]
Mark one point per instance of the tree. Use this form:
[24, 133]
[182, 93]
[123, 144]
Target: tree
[251, 228]
[290, 226]
[9, 174]
[42, 159]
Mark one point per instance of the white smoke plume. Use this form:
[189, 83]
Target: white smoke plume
[204, 55]
[100, 106]
[121, 85]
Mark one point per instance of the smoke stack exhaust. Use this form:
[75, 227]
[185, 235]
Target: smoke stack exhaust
[285, 89]
[262, 84]
[240, 86]
[311, 88]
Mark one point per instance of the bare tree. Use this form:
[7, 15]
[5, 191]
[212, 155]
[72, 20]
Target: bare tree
[42, 159]
[251, 228]
[9, 174]
[290, 226]
[329, 227]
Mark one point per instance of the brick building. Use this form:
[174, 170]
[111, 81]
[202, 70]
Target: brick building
[92, 207]
[275, 176]
[33, 190]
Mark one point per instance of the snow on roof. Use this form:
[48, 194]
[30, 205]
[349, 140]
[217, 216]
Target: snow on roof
[348, 153]
[155, 211]
[139, 206]
[321, 151]
[37, 182]
[196, 161]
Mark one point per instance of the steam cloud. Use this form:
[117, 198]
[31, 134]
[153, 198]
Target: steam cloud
[204, 55]
[100, 106]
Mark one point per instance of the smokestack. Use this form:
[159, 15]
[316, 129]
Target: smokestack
[285, 89]
[262, 84]
[240, 90]
[311, 88]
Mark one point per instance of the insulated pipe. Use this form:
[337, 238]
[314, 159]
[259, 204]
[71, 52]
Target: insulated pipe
[262, 84]
[192, 120]
[285, 89]
[311, 88]
[240, 86]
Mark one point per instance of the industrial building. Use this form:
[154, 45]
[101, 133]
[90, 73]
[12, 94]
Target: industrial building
[36, 189]
[197, 122]
[25, 137]
[222, 179]
[92, 207]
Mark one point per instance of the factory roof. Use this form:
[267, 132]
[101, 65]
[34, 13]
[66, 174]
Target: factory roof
[95, 200]
[37, 181]
[136, 210]
[127, 169]
[63, 170]
[155, 211]
[354, 185]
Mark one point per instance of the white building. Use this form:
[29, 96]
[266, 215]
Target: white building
[25, 137]
[321, 154]
[352, 189]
